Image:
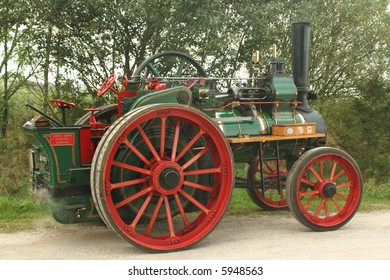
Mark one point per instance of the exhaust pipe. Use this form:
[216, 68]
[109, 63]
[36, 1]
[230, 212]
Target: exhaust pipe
[300, 62]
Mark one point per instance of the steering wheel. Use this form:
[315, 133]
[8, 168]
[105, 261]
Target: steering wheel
[107, 84]
[169, 64]
[125, 82]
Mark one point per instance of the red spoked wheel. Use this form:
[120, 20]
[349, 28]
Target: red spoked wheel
[107, 84]
[162, 176]
[269, 197]
[324, 188]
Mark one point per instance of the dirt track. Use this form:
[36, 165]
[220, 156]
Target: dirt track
[272, 237]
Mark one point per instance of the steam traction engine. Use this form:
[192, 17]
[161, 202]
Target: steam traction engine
[158, 166]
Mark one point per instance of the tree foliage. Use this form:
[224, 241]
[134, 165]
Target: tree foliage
[15, 68]
[70, 46]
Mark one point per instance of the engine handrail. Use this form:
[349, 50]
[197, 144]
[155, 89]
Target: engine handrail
[252, 103]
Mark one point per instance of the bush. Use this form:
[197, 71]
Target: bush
[360, 125]
[14, 167]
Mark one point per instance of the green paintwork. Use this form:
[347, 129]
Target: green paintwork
[285, 88]
[233, 124]
[73, 209]
[58, 169]
[169, 95]
[60, 157]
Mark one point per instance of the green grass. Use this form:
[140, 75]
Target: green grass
[240, 204]
[376, 196]
[19, 213]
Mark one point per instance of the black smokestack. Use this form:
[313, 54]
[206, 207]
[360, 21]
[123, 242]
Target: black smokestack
[300, 62]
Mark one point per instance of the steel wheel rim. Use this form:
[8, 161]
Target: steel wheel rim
[192, 229]
[328, 190]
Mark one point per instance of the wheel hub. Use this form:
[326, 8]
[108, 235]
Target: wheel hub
[167, 177]
[329, 190]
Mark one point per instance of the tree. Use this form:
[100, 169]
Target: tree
[16, 36]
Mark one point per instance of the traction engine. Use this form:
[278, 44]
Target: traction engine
[158, 167]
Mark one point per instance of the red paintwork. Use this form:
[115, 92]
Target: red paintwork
[156, 85]
[61, 139]
[107, 84]
[87, 147]
[61, 103]
[121, 96]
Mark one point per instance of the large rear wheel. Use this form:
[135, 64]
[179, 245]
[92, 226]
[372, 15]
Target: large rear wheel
[162, 177]
[324, 188]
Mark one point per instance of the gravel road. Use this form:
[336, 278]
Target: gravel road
[266, 237]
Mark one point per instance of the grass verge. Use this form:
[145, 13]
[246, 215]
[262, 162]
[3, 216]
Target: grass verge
[19, 213]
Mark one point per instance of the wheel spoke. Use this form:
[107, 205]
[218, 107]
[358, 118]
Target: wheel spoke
[154, 216]
[195, 202]
[132, 167]
[127, 183]
[136, 151]
[270, 169]
[189, 145]
[326, 208]
[336, 204]
[307, 204]
[307, 182]
[333, 171]
[321, 169]
[320, 207]
[202, 171]
[319, 178]
[179, 71]
[152, 69]
[169, 217]
[344, 185]
[148, 143]
[162, 137]
[175, 140]
[197, 186]
[342, 196]
[338, 175]
[133, 197]
[271, 194]
[141, 211]
[195, 158]
[302, 194]
[181, 209]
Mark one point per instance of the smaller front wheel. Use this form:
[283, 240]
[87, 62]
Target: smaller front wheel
[324, 188]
